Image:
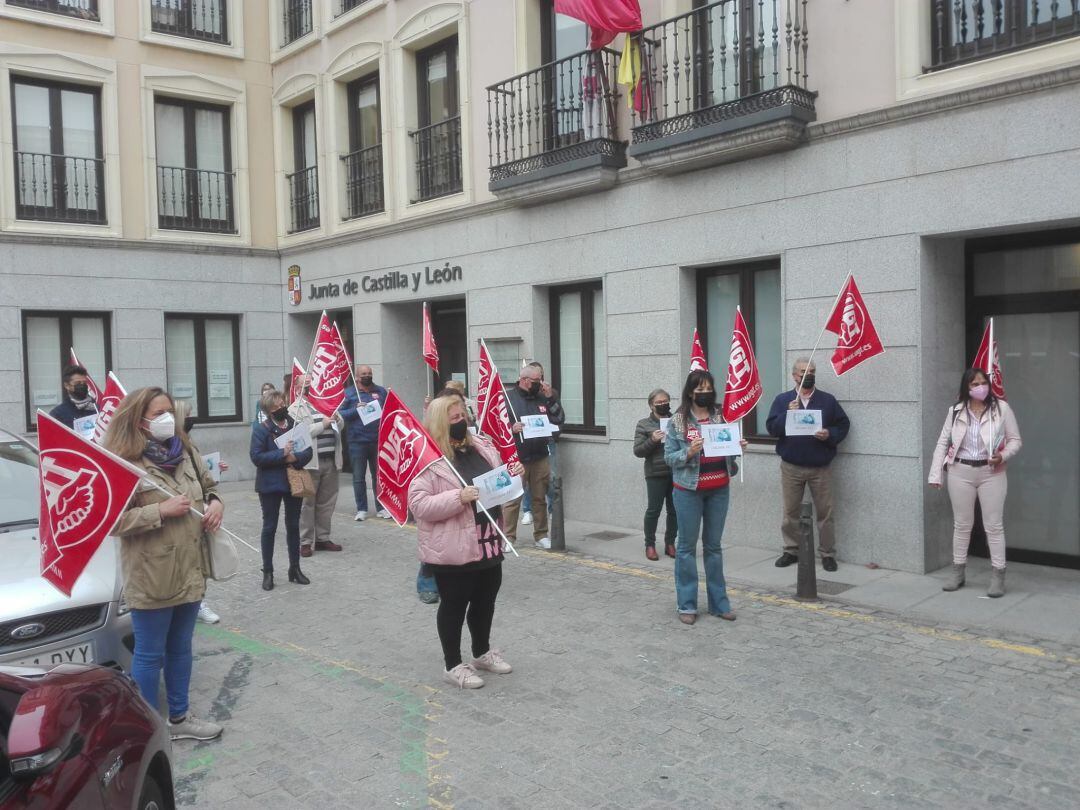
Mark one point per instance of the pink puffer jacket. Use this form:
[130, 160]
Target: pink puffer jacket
[445, 528]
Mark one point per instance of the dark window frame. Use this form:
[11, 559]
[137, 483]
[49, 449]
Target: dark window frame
[352, 94]
[187, 30]
[59, 9]
[449, 45]
[56, 145]
[65, 317]
[745, 271]
[588, 289]
[203, 398]
[303, 182]
[299, 136]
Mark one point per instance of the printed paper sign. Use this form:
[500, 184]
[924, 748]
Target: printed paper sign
[300, 436]
[85, 425]
[721, 440]
[213, 465]
[664, 423]
[803, 423]
[537, 426]
[369, 411]
[498, 487]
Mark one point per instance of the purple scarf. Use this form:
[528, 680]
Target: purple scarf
[166, 455]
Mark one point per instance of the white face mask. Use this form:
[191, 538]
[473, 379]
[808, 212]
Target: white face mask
[162, 427]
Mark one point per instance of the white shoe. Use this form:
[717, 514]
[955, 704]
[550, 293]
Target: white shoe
[544, 543]
[207, 616]
[492, 661]
[361, 515]
[526, 519]
[384, 514]
[192, 728]
[464, 677]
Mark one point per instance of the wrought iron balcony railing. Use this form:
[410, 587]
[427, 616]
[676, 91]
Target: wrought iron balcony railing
[720, 62]
[437, 149]
[967, 30]
[303, 199]
[557, 113]
[363, 182]
[205, 20]
[59, 188]
[296, 20]
[81, 9]
[195, 200]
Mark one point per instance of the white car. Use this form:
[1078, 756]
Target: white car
[39, 626]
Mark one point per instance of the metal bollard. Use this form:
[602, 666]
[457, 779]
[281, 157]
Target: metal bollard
[557, 529]
[806, 588]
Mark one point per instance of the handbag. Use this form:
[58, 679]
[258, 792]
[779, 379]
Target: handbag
[301, 484]
[222, 556]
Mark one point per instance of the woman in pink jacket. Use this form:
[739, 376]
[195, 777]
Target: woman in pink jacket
[458, 543]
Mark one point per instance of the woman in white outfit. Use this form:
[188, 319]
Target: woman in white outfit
[979, 436]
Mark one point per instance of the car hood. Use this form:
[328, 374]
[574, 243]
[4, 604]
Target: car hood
[24, 592]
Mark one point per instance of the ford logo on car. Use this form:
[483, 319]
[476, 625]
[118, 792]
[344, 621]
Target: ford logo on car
[25, 631]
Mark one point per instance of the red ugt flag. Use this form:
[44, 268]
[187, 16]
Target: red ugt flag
[496, 424]
[858, 339]
[406, 449]
[488, 375]
[95, 392]
[329, 369]
[697, 355]
[84, 490]
[431, 351]
[990, 361]
[605, 18]
[107, 404]
[743, 387]
[294, 380]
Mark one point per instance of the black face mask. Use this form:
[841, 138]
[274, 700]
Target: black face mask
[189, 423]
[280, 414]
[534, 388]
[808, 383]
[459, 430]
[663, 410]
[706, 400]
[366, 381]
[80, 391]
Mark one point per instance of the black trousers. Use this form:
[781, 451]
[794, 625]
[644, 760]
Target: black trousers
[466, 596]
[659, 493]
[271, 509]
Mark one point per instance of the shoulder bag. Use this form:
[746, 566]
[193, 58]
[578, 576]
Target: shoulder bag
[219, 551]
[301, 484]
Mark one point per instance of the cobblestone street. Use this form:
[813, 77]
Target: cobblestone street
[331, 696]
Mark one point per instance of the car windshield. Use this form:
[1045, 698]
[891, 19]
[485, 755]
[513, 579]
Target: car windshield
[18, 485]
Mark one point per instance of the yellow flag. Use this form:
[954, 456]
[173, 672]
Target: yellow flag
[630, 68]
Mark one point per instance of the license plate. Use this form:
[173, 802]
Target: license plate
[79, 654]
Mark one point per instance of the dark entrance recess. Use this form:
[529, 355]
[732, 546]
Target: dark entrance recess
[451, 336]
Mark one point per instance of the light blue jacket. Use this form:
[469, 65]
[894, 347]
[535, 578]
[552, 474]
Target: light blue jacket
[684, 473]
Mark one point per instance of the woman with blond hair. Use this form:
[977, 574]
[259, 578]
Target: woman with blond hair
[161, 550]
[458, 542]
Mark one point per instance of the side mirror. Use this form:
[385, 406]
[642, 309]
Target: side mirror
[43, 730]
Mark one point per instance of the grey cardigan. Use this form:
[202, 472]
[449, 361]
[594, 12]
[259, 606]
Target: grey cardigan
[652, 451]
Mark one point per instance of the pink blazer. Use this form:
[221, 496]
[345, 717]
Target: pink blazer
[446, 528]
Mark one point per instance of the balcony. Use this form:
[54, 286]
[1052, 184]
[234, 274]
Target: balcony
[303, 199]
[968, 30]
[296, 20]
[79, 9]
[195, 200]
[437, 149]
[59, 188]
[721, 85]
[204, 20]
[363, 182]
[553, 131]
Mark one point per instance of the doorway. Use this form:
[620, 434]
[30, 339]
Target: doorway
[1030, 285]
[450, 328]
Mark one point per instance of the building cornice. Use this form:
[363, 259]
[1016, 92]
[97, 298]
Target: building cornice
[107, 243]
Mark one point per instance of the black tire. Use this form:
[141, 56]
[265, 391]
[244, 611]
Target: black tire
[151, 797]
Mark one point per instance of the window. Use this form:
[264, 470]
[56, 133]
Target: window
[363, 163]
[59, 161]
[967, 30]
[202, 364]
[304, 181]
[755, 288]
[206, 20]
[567, 81]
[348, 5]
[579, 356]
[296, 20]
[506, 354]
[48, 338]
[194, 166]
[438, 139]
[80, 9]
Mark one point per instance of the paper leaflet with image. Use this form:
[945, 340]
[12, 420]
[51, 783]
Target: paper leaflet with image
[95, 392]
[405, 450]
[83, 491]
[498, 487]
[108, 403]
[329, 369]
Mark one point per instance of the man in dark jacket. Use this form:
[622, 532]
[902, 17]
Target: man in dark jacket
[532, 397]
[77, 402]
[363, 439]
[805, 460]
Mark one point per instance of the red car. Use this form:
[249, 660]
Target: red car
[80, 737]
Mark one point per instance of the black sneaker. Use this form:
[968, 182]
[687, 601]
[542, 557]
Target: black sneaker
[786, 559]
[828, 563]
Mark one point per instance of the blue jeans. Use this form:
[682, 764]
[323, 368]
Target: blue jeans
[425, 580]
[364, 457]
[163, 640]
[694, 508]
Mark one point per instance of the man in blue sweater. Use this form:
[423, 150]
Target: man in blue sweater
[77, 401]
[805, 460]
[363, 440]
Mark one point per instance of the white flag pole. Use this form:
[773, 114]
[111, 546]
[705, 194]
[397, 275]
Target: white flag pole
[742, 467]
[482, 507]
[991, 355]
[158, 486]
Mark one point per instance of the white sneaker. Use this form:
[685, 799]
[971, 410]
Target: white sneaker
[361, 515]
[526, 519]
[384, 514]
[464, 677]
[492, 661]
[544, 543]
[207, 616]
[192, 728]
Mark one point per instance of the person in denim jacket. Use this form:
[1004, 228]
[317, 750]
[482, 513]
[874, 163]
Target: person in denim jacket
[701, 494]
